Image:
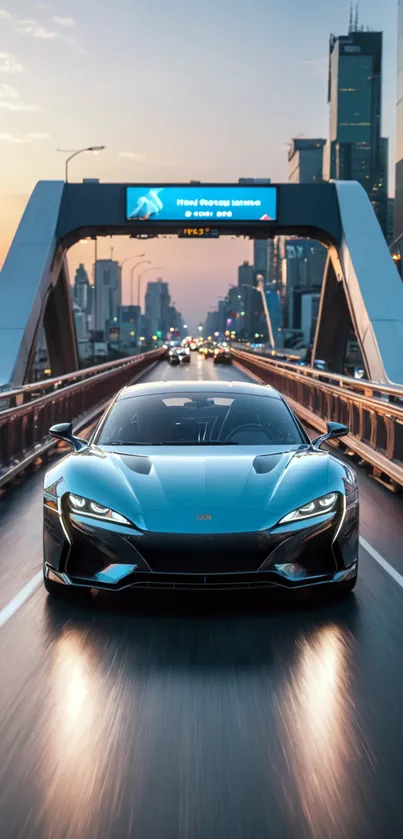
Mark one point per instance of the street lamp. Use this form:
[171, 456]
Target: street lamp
[137, 265]
[133, 256]
[74, 153]
[128, 258]
[140, 277]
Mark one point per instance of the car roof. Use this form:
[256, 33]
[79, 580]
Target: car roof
[219, 387]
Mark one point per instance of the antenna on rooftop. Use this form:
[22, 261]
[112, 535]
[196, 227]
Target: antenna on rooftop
[356, 18]
[350, 28]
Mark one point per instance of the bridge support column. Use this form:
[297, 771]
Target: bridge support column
[59, 326]
[334, 321]
[33, 277]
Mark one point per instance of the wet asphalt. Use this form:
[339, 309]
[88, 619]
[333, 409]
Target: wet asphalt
[180, 716]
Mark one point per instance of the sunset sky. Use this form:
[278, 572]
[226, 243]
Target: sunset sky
[176, 91]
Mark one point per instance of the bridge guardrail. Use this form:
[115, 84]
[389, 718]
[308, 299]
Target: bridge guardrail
[373, 412]
[25, 416]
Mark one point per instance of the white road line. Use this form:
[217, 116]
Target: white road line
[382, 562]
[20, 599]
[199, 368]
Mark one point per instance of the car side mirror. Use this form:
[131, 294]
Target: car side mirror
[334, 430]
[64, 431]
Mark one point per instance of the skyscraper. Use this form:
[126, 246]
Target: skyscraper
[246, 274]
[356, 149]
[129, 322]
[305, 161]
[81, 288]
[263, 260]
[302, 260]
[157, 308]
[398, 226]
[262, 248]
[108, 281]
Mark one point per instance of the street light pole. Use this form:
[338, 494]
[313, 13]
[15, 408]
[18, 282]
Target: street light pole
[128, 258]
[137, 265]
[140, 277]
[75, 153]
[133, 256]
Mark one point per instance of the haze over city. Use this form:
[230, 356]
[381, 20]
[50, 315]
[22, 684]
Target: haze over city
[174, 91]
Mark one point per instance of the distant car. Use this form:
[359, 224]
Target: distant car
[173, 358]
[207, 350]
[222, 355]
[199, 485]
[179, 355]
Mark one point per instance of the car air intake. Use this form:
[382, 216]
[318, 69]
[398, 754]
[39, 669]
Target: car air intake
[266, 463]
[137, 463]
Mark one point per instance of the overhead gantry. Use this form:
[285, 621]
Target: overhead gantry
[361, 284]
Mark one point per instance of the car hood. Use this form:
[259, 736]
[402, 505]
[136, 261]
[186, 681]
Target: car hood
[192, 491]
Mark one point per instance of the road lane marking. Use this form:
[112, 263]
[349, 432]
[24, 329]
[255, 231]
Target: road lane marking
[382, 562]
[20, 598]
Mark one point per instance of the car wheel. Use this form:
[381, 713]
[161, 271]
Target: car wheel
[61, 592]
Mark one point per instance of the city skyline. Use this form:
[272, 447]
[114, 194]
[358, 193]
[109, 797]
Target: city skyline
[185, 131]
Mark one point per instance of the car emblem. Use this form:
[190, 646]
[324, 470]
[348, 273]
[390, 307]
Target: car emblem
[206, 517]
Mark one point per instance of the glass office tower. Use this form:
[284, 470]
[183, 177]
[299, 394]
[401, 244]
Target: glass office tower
[398, 226]
[356, 149]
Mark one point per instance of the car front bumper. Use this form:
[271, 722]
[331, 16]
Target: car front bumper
[79, 551]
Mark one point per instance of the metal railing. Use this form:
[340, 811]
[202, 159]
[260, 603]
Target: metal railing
[27, 413]
[373, 412]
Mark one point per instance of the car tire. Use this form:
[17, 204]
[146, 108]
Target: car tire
[69, 593]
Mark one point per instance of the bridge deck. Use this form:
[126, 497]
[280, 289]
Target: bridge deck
[161, 717]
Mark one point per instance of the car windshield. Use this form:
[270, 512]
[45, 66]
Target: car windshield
[200, 419]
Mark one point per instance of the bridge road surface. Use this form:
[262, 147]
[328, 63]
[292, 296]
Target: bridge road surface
[182, 717]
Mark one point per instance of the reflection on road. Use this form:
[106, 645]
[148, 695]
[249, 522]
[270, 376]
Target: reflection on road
[317, 712]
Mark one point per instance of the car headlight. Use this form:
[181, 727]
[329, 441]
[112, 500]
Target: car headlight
[325, 504]
[86, 507]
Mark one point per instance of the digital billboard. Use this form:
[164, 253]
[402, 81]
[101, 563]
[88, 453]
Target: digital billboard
[194, 203]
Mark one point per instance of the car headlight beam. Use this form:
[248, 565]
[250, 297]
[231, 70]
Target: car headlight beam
[326, 504]
[85, 507]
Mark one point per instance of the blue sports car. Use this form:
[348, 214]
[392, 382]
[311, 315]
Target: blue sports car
[199, 485]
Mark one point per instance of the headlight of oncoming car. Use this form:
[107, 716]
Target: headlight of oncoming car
[325, 504]
[86, 507]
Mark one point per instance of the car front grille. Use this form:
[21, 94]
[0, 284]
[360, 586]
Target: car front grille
[218, 554]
